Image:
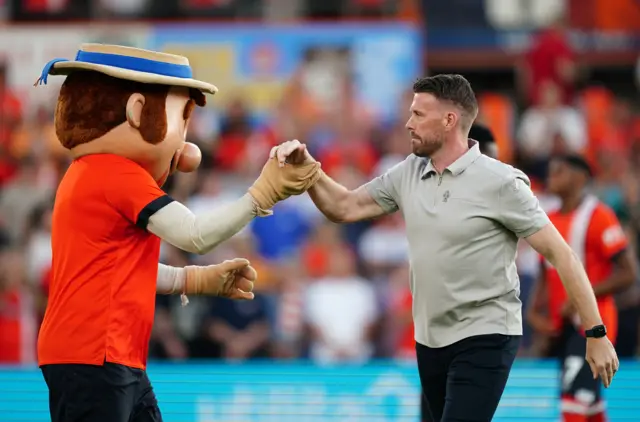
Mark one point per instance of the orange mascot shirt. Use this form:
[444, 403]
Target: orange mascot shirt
[105, 264]
[603, 240]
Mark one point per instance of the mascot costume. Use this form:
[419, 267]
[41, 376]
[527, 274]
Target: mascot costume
[123, 114]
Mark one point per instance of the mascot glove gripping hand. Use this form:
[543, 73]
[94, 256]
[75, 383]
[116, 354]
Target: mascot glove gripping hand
[277, 183]
[232, 279]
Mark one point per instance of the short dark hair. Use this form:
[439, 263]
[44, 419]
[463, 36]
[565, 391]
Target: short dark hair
[450, 87]
[575, 161]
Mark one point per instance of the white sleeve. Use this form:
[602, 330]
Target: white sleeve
[170, 280]
[178, 226]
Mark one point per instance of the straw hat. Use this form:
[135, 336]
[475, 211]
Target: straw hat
[133, 64]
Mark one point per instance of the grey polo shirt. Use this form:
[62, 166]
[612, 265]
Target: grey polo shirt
[463, 227]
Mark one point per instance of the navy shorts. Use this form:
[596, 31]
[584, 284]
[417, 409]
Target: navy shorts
[107, 393]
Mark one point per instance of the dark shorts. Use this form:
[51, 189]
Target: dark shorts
[464, 382]
[581, 394]
[108, 393]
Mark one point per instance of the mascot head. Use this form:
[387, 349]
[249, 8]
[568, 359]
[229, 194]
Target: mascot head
[129, 102]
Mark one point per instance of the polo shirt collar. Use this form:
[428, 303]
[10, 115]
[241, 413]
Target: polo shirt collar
[460, 165]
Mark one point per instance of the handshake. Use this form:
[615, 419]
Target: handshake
[289, 171]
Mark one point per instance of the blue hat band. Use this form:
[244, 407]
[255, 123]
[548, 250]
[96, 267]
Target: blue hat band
[124, 62]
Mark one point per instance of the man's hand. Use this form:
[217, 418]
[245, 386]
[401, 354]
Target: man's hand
[602, 359]
[291, 152]
[281, 179]
[232, 279]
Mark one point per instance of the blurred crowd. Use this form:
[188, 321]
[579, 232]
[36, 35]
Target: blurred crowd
[327, 292]
[63, 10]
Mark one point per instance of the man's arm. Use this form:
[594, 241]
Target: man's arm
[549, 243]
[520, 212]
[341, 205]
[374, 199]
[336, 202]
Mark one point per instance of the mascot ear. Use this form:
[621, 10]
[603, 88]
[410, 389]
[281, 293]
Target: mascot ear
[134, 109]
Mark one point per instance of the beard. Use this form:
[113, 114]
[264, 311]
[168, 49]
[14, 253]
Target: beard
[426, 146]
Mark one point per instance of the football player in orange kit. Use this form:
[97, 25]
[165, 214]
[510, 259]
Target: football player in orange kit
[592, 230]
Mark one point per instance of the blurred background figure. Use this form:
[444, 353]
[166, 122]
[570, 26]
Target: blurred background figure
[552, 77]
[341, 312]
[595, 234]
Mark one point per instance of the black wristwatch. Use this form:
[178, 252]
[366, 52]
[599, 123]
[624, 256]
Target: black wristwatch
[598, 331]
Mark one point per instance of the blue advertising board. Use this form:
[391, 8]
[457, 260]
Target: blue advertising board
[301, 392]
[260, 61]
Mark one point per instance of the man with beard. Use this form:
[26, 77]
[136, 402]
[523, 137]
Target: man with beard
[487, 144]
[464, 213]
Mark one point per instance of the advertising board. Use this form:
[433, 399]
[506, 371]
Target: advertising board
[302, 392]
[261, 61]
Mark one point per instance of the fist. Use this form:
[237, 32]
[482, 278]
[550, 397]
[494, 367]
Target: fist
[237, 277]
[291, 152]
[232, 279]
[188, 158]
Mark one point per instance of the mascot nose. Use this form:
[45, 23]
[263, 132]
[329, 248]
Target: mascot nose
[189, 158]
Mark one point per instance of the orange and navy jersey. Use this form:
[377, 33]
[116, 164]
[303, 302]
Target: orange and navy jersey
[597, 238]
[105, 264]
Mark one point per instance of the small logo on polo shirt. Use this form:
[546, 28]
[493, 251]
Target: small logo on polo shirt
[445, 196]
[516, 185]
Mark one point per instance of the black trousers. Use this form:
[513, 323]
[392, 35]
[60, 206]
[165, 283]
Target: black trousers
[108, 393]
[464, 382]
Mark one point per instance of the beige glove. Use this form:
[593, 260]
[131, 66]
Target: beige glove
[232, 279]
[277, 183]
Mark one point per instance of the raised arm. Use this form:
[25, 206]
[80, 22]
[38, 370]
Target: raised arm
[336, 202]
[342, 205]
[177, 225]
